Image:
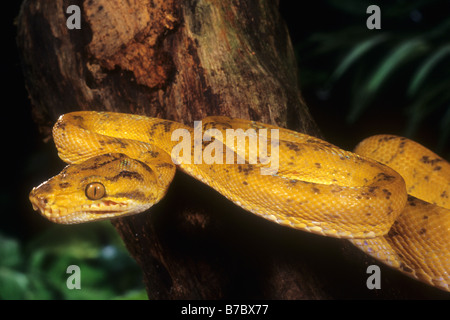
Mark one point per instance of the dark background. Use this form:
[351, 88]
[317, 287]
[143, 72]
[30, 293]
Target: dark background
[323, 33]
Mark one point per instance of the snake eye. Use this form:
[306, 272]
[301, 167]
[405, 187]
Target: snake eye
[95, 191]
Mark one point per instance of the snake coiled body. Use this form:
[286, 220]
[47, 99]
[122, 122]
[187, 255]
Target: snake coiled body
[123, 164]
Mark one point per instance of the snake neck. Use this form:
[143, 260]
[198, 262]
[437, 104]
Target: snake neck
[111, 132]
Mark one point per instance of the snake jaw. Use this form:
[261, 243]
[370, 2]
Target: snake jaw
[99, 210]
[87, 212]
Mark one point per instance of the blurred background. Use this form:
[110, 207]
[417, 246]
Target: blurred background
[356, 82]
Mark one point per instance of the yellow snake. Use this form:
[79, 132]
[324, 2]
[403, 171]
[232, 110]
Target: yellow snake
[121, 164]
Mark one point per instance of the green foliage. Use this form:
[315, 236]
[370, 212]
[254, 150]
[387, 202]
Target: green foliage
[411, 53]
[38, 270]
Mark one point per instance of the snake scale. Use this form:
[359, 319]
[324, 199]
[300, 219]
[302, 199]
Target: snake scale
[390, 198]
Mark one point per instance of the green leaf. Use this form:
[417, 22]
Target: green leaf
[423, 71]
[398, 56]
[133, 295]
[433, 98]
[10, 254]
[13, 284]
[352, 57]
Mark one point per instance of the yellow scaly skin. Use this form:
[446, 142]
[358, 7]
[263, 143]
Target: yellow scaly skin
[120, 164]
[419, 241]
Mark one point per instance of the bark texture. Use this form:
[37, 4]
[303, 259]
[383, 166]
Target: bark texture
[184, 60]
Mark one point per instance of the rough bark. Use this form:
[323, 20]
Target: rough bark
[184, 60]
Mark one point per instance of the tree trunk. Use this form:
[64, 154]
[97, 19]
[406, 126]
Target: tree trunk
[183, 61]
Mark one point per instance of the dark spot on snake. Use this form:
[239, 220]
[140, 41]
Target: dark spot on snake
[46, 187]
[121, 143]
[147, 168]
[153, 154]
[60, 125]
[425, 217]
[245, 169]
[99, 164]
[372, 189]
[206, 143]
[78, 118]
[422, 231]
[386, 139]
[390, 210]
[427, 178]
[292, 146]
[336, 189]
[128, 175]
[392, 232]
[387, 193]
[164, 165]
[318, 165]
[385, 177]
[315, 190]
[368, 214]
[444, 195]
[245, 183]
[138, 195]
[64, 185]
[165, 124]
[437, 168]
[216, 124]
[410, 189]
[427, 160]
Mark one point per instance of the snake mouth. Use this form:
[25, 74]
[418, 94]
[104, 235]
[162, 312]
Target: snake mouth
[95, 211]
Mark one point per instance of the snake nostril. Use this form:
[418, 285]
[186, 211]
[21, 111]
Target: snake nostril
[39, 202]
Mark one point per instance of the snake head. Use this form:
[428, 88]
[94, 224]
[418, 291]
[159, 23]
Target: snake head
[102, 187]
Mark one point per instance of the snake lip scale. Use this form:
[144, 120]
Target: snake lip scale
[78, 215]
[390, 197]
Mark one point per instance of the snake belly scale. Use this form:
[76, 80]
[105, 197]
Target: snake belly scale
[122, 164]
